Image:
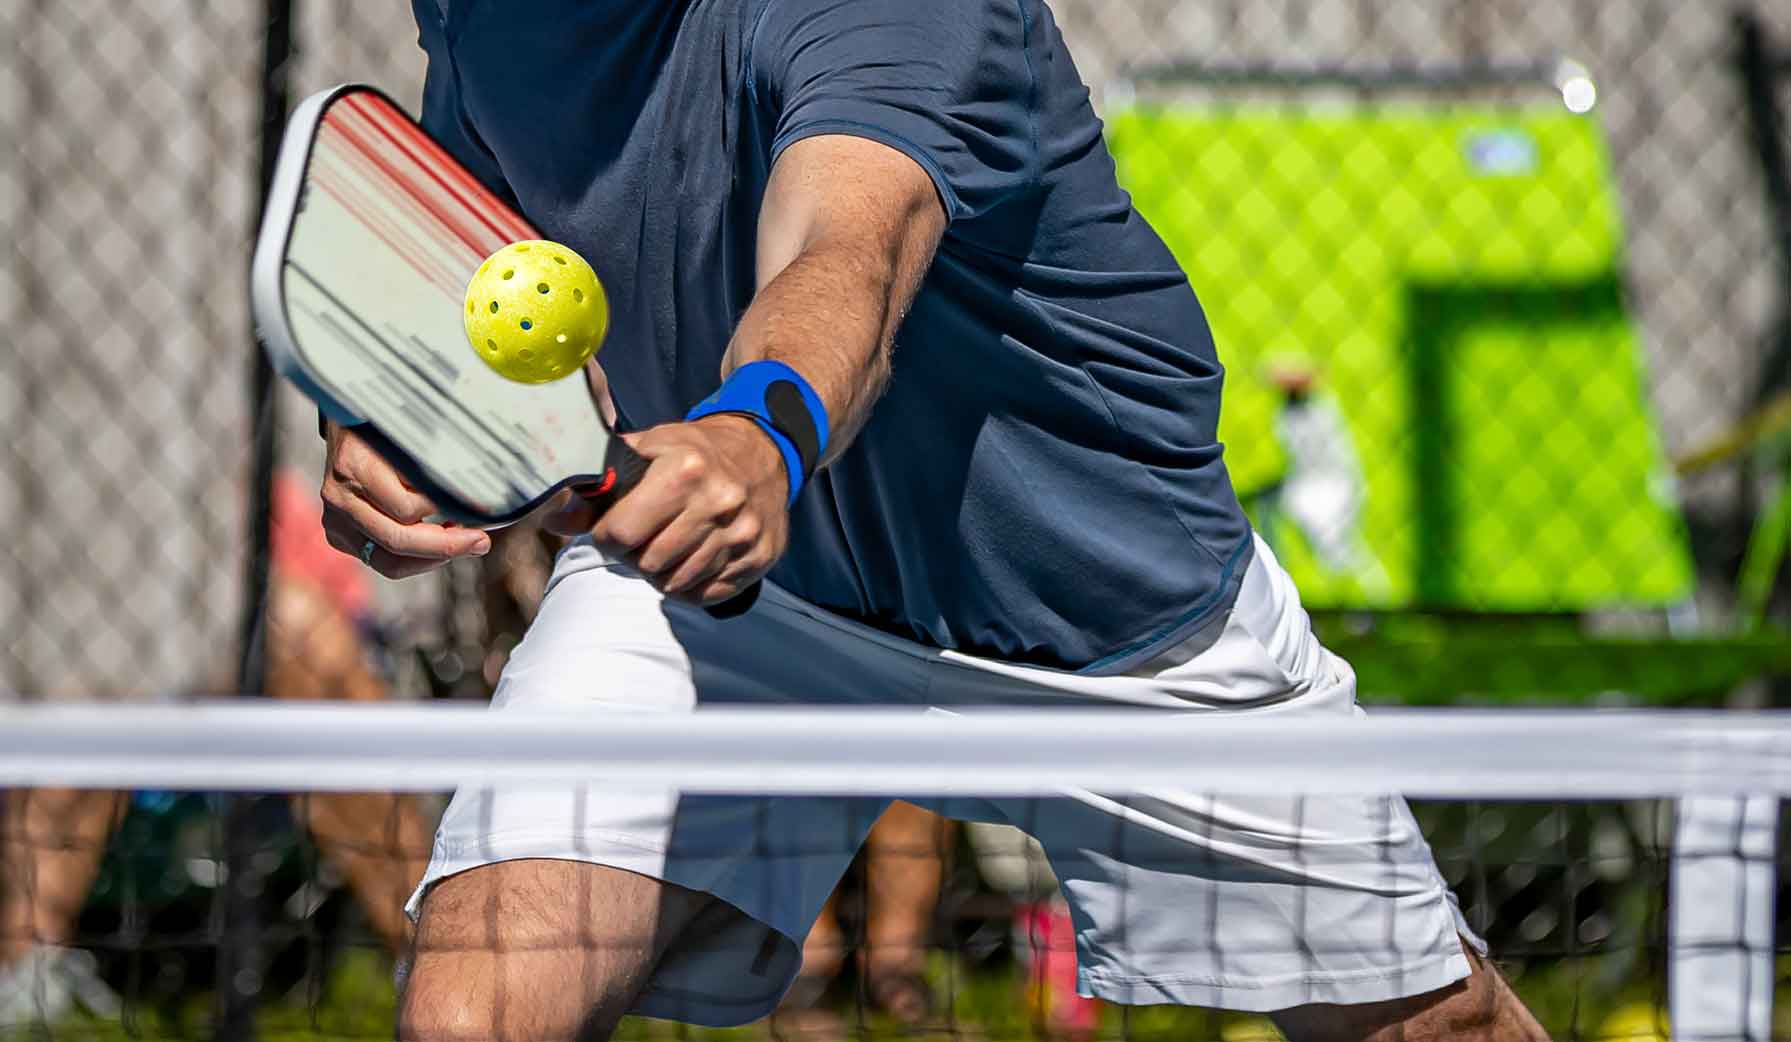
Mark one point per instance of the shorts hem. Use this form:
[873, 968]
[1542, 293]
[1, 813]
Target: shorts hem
[1244, 995]
[612, 850]
[607, 849]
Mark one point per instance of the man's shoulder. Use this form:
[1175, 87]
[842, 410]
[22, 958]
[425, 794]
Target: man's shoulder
[765, 16]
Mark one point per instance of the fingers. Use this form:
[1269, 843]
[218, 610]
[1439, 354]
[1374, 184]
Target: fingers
[598, 381]
[679, 546]
[728, 560]
[381, 560]
[366, 498]
[717, 573]
[707, 518]
[732, 581]
[670, 488]
[365, 474]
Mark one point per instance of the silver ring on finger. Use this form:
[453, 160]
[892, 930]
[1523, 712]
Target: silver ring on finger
[368, 549]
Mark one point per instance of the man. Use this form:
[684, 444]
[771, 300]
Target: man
[894, 339]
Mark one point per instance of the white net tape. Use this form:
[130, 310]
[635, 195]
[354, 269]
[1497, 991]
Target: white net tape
[1724, 771]
[1451, 753]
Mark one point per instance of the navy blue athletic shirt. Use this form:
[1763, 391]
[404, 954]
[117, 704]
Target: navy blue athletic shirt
[1043, 482]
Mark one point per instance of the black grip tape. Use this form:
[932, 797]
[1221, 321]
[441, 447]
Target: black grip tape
[629, 467]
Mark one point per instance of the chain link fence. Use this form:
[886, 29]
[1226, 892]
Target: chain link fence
[1500, 285]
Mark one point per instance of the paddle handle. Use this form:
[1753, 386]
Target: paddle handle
[623, 469]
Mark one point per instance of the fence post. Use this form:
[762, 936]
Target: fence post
[1719, 942]
[241, 958]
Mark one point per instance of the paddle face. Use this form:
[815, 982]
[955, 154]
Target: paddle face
[372, 234]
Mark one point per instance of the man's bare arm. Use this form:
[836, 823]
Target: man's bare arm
[847, 231]
[846, 234]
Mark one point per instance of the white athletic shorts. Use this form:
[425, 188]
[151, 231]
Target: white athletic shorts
[1256, 903]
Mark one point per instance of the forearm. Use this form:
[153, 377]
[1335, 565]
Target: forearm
[846, 233]
[832, 315]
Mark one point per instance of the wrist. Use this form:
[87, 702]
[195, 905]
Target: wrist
[780, 402]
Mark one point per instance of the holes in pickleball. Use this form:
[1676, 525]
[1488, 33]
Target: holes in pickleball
[494, 307]
[491, 345]
[509, 273]
[527, 325]
[561, 261]
[578, 295]
[542, 288]
[560, 339]
[525, 354]
[522, 247]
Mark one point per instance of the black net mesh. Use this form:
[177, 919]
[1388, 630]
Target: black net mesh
[1502, 292]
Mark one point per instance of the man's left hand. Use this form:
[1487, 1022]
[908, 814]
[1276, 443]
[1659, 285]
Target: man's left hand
[707, 521]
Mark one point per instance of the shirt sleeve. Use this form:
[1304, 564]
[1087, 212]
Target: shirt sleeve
[444, 116]
[949, 83]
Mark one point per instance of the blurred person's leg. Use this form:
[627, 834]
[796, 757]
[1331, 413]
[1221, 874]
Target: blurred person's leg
[904, 867]
[51, 845]
[512, 580]
[800, 1014]
[379, 840]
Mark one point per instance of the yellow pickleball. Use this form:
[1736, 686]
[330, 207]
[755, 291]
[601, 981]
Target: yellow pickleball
[535, 312]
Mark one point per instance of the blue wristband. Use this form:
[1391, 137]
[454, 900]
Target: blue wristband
[785, 407]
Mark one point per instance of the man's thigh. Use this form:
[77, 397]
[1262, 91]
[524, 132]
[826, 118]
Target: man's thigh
[606, 642]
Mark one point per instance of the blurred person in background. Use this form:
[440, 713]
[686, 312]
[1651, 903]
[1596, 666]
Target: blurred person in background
[904, 863]
[53, 841]
[1324, 494]
[1044, 936]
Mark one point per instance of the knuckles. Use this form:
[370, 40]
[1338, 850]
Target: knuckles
[690, 468]
[335, 495]
[746, 531]
[409, 515]
[620, 533]
[729, 497]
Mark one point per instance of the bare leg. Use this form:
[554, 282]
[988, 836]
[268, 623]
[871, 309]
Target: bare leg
[378, 840]
[904, 866]
[50, 852]
[824, 950]
[537, 951]
[903, 872]
[1482, 1008]
[800, 1016]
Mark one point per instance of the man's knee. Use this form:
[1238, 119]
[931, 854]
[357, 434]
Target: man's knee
[1482, 1006]
[531, 951]
[436, 1008]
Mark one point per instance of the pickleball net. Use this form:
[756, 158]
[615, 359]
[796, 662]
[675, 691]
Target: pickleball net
[1623, 866]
